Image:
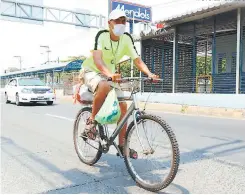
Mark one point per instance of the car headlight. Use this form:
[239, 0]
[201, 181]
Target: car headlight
[25, 90]
[50, 91]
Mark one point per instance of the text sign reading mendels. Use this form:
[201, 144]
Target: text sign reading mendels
[136, 11]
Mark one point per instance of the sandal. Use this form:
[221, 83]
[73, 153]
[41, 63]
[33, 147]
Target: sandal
[90, 129]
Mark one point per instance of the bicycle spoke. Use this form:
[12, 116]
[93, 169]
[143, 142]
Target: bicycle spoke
[147, 136]
[137, 130]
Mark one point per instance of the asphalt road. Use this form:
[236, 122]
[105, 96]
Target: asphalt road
[37, 154]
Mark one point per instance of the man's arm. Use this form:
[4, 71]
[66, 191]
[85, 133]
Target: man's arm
[131, 52]
[97, 56]
[142, 66]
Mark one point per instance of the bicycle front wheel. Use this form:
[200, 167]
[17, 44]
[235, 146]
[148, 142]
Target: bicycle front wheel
[163, 146]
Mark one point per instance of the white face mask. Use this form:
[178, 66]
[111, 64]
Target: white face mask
[119, 29]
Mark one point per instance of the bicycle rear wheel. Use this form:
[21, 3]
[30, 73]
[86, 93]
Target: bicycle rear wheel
[93, 145]
[140, 173]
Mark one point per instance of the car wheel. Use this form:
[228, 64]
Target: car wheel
[6, 98]
[50, 102]
[17, 100]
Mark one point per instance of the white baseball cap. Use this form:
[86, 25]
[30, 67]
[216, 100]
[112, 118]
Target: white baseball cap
[116, 13]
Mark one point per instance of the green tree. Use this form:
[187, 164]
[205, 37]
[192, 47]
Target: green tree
[201, 66]
[125, 69]
[73, 58]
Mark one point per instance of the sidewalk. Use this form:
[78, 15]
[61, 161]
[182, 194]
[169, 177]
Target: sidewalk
[184, 109]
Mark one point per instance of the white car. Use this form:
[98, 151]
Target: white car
[28, 90]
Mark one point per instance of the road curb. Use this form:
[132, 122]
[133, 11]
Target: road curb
[183, 109]
[196, 110]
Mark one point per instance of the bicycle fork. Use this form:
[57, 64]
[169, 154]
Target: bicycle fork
[135, 117]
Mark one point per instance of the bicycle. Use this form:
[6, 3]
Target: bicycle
[105, 141]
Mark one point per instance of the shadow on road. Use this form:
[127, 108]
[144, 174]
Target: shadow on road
[92, 182]
[203, 153]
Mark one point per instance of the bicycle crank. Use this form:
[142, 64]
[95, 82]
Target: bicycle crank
[104, 146]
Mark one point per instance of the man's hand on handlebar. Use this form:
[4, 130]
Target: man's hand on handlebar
[114, 77]
[154, 77]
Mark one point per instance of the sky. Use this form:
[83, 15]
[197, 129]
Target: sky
[24, 39]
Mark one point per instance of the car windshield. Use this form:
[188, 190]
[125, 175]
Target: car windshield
[31, 82]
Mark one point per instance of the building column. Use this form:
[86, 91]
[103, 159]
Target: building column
[175, 41]
[141, 55]
[194, 63]
[213, 53]
[238, 50]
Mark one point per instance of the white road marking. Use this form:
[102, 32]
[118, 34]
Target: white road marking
[61, 117]
[109, 129]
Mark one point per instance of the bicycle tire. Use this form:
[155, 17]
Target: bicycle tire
[175, 157]
[75, 136]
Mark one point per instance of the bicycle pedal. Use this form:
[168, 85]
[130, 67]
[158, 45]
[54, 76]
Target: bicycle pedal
[84, 137]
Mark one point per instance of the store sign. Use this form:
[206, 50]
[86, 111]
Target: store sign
[133, 11]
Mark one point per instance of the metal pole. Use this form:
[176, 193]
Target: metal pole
[214, 52]
[48, 55]
[48, 51]
[174, 60]
[19, 61]
[131, 32]
[194, 75]
[205, 68]
[53, 79]
[238, 50]
[141, 52]
[109, 8]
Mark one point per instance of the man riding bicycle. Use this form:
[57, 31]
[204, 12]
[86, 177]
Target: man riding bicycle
[109, 48]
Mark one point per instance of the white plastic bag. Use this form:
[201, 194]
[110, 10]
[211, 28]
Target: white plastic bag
[84, 95]
[110, 111]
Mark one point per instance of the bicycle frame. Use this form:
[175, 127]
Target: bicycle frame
[132, 110]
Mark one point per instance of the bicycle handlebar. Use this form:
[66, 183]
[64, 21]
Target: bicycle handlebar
[128, 79]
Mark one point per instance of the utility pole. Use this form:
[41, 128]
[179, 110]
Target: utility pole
[48, 51]
[19, 61]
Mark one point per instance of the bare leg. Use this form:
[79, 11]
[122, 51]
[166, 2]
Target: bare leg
[123, 106]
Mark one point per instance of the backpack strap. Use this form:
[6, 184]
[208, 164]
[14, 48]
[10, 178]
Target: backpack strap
[97, 38]
[126, 33]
